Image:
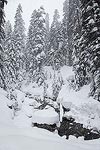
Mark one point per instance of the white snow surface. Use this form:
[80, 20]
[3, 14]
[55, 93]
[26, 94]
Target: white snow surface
[5, 113]
[48, 116]
[39, 139]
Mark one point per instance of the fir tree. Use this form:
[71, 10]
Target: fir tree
[81, 64]
[93, 42]
[2, 35]
[64, 31]
[47, 38]
[36, 43]
[19, 40]
[54, 31]
[77, 30]
[73, 8]
[88, 64]
[10, 61]
[55, 53]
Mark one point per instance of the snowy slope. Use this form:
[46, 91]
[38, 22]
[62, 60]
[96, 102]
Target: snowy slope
[5, 113]
[29, 139]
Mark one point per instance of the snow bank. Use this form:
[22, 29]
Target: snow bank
[48, 116]
[83, 109]
[22, 120]
[34, 138]
[5, 113]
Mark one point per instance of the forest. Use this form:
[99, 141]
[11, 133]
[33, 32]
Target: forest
[50, 75]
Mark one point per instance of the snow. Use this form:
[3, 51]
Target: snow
[23, 117]
[20, 96]
[48, 116]
[22, 121]
[39, 139]
[83, 109]
[5, 113]
[33, 89]
[66, 72]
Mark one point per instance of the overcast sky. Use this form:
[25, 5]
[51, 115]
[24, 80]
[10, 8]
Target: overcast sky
[28, 7]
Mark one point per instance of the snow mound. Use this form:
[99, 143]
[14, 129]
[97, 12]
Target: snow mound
[5, 113]
[48, 116]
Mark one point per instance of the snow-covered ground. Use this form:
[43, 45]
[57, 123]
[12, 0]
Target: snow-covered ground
[39, 139]
[5, 113]
[17, 133]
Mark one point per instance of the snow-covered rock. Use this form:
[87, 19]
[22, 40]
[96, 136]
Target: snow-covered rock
[46, 116]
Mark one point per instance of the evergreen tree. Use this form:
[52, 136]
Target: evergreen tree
[55, 53]
[73, 5]
[54, 31]
[81, 65]
[2, 35]
[88, 64]
[19, 40]
[77, 30]
[47, 38]
[64, 31]
[92, 11]
[9, 52]
[36, 43]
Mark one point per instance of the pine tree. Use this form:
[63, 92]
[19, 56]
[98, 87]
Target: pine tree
[19, 41]
[47, 38]
[9, 52]
[36, 43]
[2, 35]
[54, 31]
[55, 53]
[73, 5]
[77, 30]
[88, 64]
[81, 64]
[64, 31]
[93, 43]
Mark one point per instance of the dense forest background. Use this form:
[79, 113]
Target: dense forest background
[74, 41]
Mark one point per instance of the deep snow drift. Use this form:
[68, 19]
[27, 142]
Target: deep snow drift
[29, 139]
